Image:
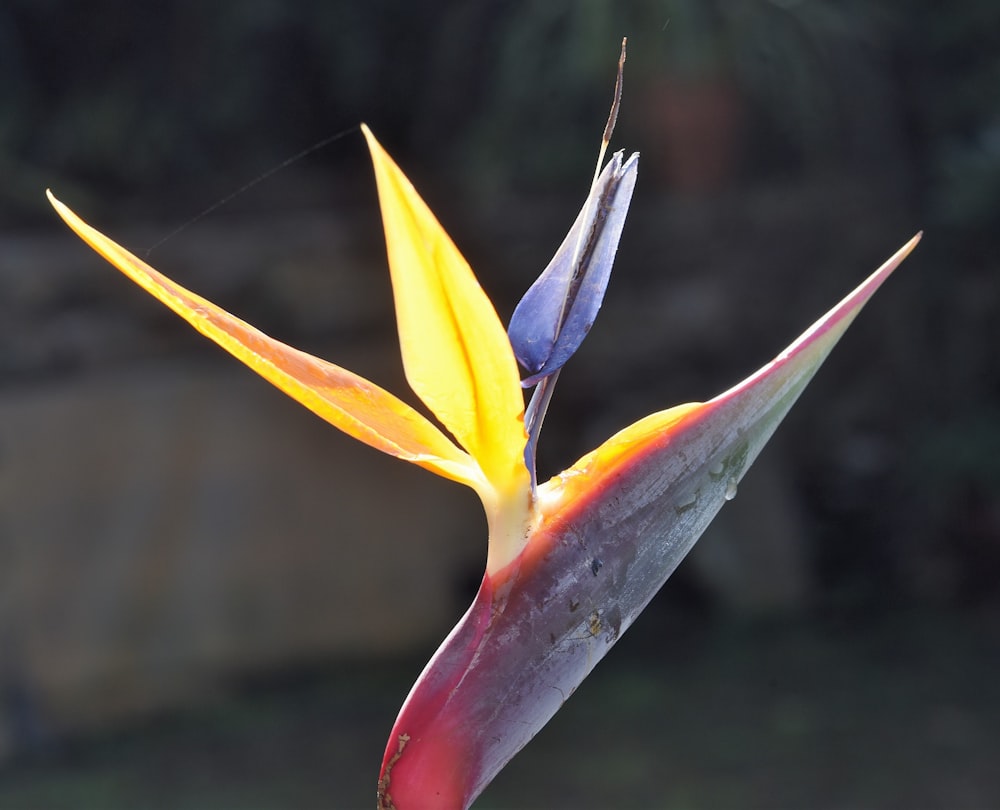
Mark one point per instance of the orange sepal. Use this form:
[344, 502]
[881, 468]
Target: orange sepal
[344, 399]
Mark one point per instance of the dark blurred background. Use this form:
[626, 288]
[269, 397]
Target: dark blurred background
[209, 598]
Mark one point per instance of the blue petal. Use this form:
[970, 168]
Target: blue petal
[553, 318]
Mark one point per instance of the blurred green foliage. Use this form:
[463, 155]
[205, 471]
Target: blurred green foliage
[184, 93]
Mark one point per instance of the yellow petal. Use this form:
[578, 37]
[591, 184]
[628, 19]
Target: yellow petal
[456, 353]
[624, 443]
[356, 406]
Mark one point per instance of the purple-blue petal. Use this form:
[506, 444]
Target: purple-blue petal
[554, 316]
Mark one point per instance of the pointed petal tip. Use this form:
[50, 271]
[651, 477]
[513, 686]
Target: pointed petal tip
[56, 203]
[907, 248]
[374, 145]
[867, 287]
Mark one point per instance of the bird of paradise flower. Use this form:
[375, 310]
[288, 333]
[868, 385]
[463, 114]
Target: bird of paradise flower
[572, 561]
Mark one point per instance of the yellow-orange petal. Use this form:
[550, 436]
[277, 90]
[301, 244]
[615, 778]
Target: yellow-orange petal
[624, 442]
[349, 402]
[456, 353]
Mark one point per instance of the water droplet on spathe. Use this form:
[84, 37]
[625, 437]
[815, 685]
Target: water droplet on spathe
[731, 485]
[686, 503]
